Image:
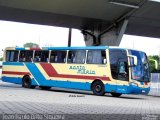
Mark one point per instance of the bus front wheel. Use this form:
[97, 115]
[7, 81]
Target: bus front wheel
[116, 94]
[27, 83]
[98, 88]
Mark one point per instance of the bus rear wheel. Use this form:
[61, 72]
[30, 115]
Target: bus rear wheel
[27, 83]
[44, 87]
[116, 94]
[98, 88]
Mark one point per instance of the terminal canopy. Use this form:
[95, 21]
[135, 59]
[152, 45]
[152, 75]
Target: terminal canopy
[143, 15]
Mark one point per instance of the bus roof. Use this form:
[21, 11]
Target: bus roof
[60, 48]
[71, 48]
[66, 48]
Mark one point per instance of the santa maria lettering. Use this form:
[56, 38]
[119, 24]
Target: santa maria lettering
[82, 70]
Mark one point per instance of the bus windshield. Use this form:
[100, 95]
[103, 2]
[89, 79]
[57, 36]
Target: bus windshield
[141, 71]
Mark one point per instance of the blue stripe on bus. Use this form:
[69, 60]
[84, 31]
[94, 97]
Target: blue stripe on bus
[36, 73]
[13, 63]
[18, 48]
[15, 80]
[69, 84]
[83, 86]
[70, 48]
[52, 83]
[126, 89]
[57, 83]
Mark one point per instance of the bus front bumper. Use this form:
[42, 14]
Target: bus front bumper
[139, 90]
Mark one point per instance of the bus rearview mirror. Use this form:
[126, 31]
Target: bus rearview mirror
[155, 62]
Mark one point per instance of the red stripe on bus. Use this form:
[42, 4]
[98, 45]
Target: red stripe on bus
[51, 72]
[35, 48]
[15, 73]
[49, 69]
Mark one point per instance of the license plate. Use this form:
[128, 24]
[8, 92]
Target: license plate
[143, 91]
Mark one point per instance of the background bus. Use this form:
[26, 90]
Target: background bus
[100, 69]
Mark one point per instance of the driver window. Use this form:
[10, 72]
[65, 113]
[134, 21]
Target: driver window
[118, 64]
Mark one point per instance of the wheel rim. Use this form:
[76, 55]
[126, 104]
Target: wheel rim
[98, 88]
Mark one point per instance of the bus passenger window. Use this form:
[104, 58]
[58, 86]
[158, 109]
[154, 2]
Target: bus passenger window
[96, 57]
[37, 56]
[44, 56]
[7, 56]
[76, 56]
[41, 56]
[58, 57]
[22, 56]
[12, 55]
[29, 56]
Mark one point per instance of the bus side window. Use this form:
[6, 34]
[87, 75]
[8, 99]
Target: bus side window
[77, 56]
[96, 57]
[58, 56]
[29, 56]
[37, 56]
[12, 55]
[52, 57]
[22, 56]
[44, 56]
[71, 57]
[16, 53]
[7, 55]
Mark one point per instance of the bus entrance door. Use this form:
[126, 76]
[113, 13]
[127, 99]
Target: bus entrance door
[122, 81]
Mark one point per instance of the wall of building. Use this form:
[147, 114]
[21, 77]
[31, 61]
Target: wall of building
[155, 84]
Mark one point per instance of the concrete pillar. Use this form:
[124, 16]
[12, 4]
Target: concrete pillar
[109, 38]
[112, 36]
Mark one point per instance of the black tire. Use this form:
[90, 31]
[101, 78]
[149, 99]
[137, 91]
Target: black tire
[116, 94]
[27, 83]
[44, 87]
[98, 88]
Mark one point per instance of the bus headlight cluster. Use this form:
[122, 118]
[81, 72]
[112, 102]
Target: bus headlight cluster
[134, 84]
